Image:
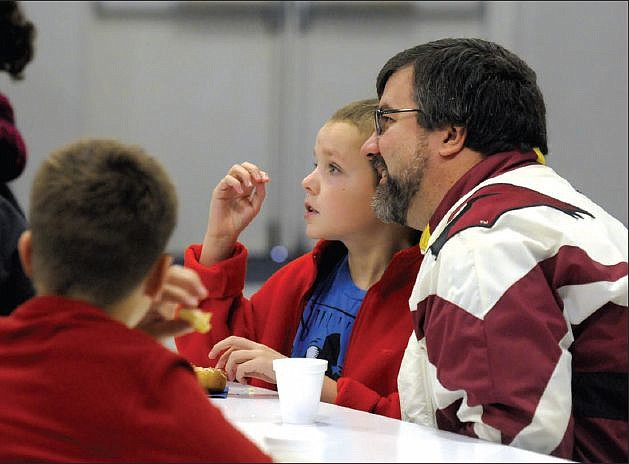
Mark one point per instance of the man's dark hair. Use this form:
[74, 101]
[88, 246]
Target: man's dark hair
[478, 85]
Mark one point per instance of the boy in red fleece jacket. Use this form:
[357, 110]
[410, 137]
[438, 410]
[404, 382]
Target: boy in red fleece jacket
[346, 301]
[79, 381]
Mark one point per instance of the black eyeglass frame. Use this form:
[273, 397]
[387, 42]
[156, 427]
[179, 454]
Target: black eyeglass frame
[379, 112]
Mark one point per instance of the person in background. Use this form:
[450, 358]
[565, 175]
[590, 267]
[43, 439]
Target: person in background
[520, 303]
[345, 301]
[17, 35]
[80, 381]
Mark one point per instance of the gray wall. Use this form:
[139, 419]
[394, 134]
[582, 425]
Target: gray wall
[204, 85]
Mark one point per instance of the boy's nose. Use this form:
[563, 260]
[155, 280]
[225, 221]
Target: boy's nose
[307, 182]
[370, 146]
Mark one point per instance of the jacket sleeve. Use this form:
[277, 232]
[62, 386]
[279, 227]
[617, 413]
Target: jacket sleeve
[270, 316]
[232, 313]
[353, 394]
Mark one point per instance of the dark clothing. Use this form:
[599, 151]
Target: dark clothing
[15, 286]
[12, 148]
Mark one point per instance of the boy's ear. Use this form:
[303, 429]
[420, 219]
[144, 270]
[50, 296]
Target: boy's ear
[452, 140]
[25, 249]
[154, 282]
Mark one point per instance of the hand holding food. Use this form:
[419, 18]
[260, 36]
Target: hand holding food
[182, 286]
[198, 319]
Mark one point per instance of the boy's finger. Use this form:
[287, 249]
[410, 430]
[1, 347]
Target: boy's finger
[231, 342]
[176, 294]
[239, 172]
[183, 285]
[224, 358]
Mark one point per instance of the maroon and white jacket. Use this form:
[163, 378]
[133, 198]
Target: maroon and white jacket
[520, 316]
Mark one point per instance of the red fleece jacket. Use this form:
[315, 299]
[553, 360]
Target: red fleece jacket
[78, 386]
[271, 317]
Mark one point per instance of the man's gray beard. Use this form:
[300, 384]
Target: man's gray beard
[392, 199]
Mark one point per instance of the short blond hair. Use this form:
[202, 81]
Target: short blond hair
[101, 213]
[359, 114]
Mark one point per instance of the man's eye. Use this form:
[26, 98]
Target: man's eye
[332, 168]
[385, 122]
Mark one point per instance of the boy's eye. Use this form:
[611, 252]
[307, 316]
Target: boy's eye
[332, 168]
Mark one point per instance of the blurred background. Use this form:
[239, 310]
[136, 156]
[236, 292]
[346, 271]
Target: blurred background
[204, 85]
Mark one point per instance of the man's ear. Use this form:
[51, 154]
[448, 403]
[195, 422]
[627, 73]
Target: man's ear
[156, 279]
[452, 140]
[25, 249]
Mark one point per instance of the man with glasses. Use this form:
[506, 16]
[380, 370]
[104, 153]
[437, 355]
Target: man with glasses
[520, 304]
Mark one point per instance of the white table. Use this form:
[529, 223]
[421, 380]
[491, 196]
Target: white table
[346, 435]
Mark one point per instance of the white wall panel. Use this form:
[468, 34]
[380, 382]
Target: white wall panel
[204, 85]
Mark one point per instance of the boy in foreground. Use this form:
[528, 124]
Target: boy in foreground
[79, 381]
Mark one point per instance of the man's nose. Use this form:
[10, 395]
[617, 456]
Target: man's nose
[370, 146]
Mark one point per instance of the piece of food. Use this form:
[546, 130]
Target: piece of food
[198, 319]
[210, 378]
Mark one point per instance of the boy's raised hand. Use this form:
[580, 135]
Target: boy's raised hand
[242, 358]
[236, 200]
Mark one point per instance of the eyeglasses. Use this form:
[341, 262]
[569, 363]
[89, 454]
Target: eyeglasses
[379, 113]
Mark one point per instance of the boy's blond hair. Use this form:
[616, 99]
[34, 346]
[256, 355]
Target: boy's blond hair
[101, 213]
[359, 114]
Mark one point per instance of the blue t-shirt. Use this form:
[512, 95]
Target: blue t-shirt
[328, 319]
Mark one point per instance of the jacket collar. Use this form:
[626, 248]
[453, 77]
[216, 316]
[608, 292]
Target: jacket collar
[491, 166]
[326, 254]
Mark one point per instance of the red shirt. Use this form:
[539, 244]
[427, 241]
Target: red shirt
[79, 386]
[271, 317]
